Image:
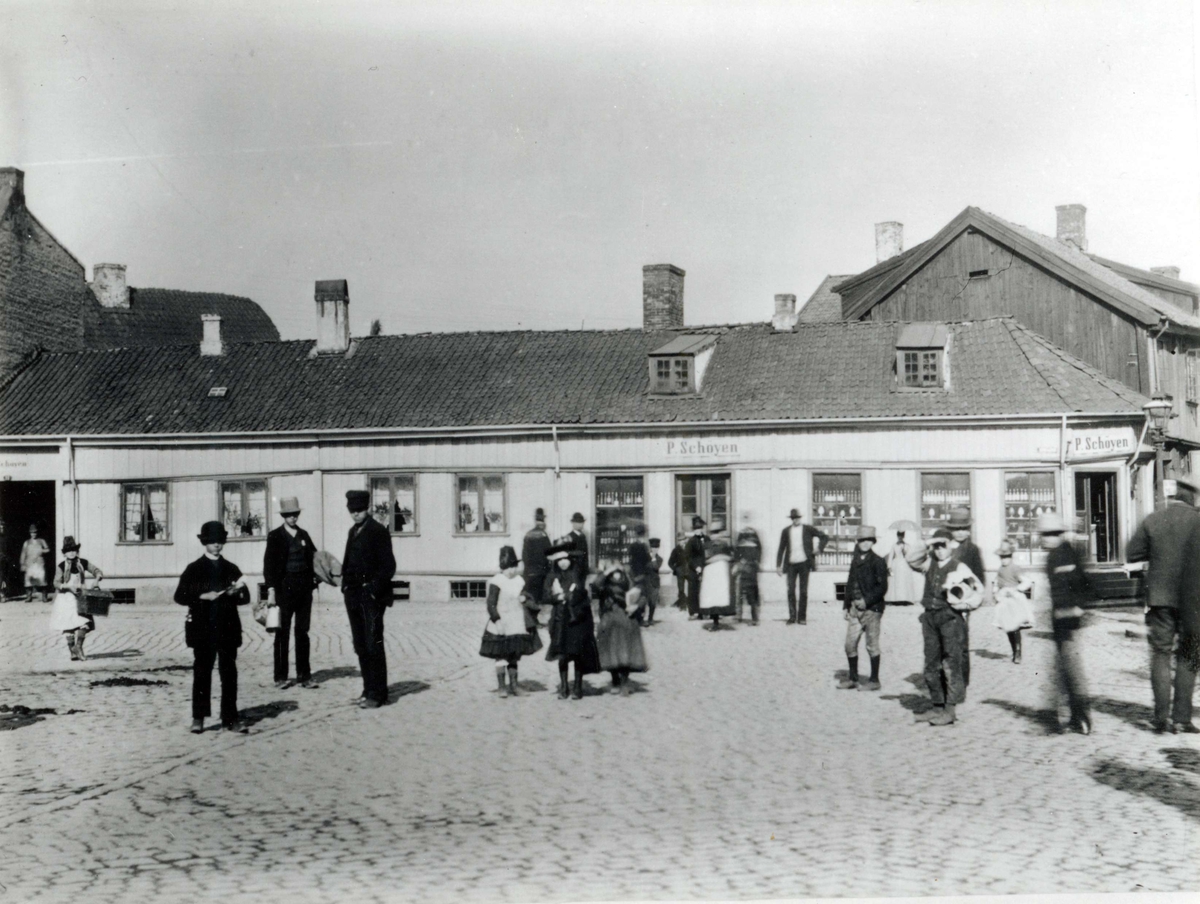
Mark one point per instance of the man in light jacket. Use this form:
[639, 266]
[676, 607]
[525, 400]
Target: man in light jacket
[796, 559]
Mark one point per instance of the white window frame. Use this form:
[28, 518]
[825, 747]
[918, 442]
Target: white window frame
[480, 475]
[675, 363]
[144, 486]
[222, 483]
[391, 476]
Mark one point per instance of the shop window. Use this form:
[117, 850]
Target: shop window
[837, 510]
[941, 492]
[394, 502]
[244, 508]
[706, 495]
[481, 504]
[468, 590]
[619, 508]
[144, 513]
[1026, 496]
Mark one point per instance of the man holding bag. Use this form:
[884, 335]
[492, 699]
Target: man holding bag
[288, 575]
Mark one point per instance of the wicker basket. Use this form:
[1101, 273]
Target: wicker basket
[94, 602]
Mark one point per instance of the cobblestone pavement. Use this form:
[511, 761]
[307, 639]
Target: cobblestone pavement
[736, 771]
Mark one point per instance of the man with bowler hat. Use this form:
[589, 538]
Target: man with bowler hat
[575, 545]
[965, 551]
[1162, 540]
[534, 551]
[367, 569]
[796, 558]
[695, 554]
[212, 588]
[289, 577]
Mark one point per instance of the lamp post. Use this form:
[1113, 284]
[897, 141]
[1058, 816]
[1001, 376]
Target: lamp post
[1158, 413]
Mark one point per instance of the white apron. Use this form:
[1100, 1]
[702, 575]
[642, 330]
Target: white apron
[64, 615]
[512, 613]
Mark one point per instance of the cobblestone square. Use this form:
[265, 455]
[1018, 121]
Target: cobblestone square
[736, 771]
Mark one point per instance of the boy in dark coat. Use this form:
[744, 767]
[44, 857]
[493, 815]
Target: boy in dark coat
[212, 588]
[865, 587]
[747, 556]
[367, 569]
[943, 633]
[678, 567]
[288, 570]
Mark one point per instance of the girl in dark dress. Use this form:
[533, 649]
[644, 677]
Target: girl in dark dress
[619, 638]
[571, 626]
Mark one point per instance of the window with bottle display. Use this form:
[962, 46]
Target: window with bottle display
[1027, 494]
[941, 492]
[837, 510]
[619, 507]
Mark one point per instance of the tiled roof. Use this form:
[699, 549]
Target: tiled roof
[824, 305]
[172, 317]
[448, 380]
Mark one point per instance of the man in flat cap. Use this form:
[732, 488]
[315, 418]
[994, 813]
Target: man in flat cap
[367, 569]
[534, 551]
[289, 577]
[795, 560]
[1162, 542]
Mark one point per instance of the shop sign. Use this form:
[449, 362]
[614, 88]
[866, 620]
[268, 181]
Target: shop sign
[699, 447]
[42, 463]
[1101, 442]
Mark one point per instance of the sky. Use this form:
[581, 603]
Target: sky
[491, 166]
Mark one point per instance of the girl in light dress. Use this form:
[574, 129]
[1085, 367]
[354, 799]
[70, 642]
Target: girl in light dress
[70, 579]
[1014, 612]
[511, 631]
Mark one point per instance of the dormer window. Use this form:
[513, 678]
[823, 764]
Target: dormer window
[678, 367]
[921, 356]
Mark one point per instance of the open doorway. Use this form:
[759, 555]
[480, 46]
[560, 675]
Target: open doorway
[1096, 514]
[22, 503]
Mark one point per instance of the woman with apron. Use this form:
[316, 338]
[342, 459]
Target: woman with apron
[69, 580]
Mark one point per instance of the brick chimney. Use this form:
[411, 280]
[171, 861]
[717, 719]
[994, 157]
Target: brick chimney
[1168, 272]
[12, 179]
[333, 316]
[785, 312]
[109, 286]
[1071, 225]
[662, 297]
[211, 343]
[889, 240]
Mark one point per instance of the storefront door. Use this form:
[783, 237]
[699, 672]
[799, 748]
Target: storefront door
[1096, 514]
[706, 495]
[22, 503]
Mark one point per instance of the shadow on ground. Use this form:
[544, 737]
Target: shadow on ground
[1045, 719]
[272, 710]
[914, 703]
[342, 671]
[1158, 784]
[1184, 758]
[404, 688]
[1136, 714]
[116, 654]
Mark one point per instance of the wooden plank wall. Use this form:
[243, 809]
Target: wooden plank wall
[1078, 323]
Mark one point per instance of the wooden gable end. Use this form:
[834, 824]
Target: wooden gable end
[974, 277]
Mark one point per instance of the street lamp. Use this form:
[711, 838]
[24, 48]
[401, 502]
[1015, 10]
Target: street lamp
[1158, 413]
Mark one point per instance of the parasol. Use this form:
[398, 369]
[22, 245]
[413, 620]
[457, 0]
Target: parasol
[909, 527]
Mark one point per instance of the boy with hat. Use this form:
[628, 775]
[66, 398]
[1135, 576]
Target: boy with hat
[942, 632]
[679, 568]
[797, 555]
[212, 588]
[866, 585]
[1069, 589]
[694, 555]
[289, 576]
[965, 551]
[367, 569]
[533, 554]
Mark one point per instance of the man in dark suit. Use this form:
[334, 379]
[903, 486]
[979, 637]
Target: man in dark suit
[367, 569]
[796, 559]
[288, 575]
[533, 555]
[575, 545]
[695, 554]
[1162, 541]
[966, 552]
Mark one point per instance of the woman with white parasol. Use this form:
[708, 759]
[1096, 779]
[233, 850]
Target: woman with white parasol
[905, 584]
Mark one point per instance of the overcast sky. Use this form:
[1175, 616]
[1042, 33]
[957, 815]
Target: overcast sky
[497, 166]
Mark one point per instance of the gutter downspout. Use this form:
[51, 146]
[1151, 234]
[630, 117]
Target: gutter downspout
[1152, 343]
[557, 478]
[1062, 462]
[74, 486]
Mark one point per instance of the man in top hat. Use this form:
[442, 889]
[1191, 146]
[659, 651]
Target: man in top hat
[796, 559]
[1162, 541]
[367, 569]
[289, 577]
[694, 555]
[965, 551]
[575, 545]
[534, 552]
[866, 585]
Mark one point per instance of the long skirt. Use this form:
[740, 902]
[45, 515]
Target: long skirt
[1013, 610]
[715, 595]
[64, 615]
[574, 641]
[509, 646]
[619, 640]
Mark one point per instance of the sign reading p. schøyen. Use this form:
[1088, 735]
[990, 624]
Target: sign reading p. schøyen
[1101, 442]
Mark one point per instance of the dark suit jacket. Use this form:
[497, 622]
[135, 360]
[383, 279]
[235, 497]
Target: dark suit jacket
[694, 555]
[784, 554]
[369, 561]
[870, 572]
[214, 622]
[276, 556]
[968, 553]
[676, 561]
[575, 545]
[1161, 540]
[534, 551]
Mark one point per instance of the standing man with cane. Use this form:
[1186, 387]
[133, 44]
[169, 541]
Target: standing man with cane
[367, 569]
